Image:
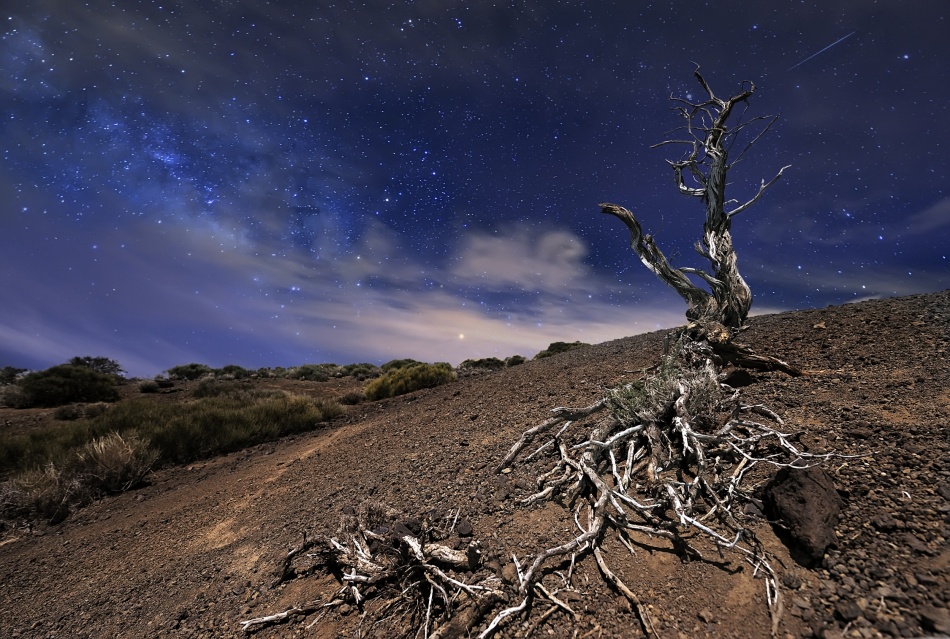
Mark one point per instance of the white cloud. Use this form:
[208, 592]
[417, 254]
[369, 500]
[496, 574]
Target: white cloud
[516, 257]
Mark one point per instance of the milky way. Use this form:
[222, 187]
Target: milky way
[275, 183]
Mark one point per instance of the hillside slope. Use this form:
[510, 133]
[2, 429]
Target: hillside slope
[196, 552]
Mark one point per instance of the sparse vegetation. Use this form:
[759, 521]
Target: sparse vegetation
[408, 377]
[559, 347]
[515, 360]
[53, 469]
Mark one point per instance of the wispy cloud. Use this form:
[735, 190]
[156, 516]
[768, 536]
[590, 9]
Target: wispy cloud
[273, 307]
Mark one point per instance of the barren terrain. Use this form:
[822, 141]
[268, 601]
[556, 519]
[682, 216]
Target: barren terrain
[195, 552]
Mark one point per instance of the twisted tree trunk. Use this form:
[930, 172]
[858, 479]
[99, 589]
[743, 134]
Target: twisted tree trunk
[716, 314]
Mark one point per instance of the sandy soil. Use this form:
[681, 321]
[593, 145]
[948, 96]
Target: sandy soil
[195, 552]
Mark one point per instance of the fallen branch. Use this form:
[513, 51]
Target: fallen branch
[252, 625]
[389, 571]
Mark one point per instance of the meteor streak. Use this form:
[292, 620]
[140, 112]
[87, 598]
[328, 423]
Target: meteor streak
[822, 51]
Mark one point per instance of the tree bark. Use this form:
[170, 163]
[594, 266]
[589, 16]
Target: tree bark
[718, 313]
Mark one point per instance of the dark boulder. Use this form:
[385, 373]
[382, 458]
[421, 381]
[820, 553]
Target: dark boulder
[805, 504]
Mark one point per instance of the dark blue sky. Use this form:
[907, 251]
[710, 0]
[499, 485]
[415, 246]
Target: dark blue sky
[276, 183]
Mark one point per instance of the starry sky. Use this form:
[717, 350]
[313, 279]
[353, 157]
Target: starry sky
[272, 183]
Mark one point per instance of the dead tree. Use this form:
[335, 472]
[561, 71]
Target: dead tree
[666, 456]
[709, 137]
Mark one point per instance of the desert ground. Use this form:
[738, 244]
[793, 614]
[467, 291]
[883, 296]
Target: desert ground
[197, 550]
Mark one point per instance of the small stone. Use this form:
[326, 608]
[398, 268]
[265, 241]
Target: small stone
[935, 619]
[884, 522]
[915, 544]
[927, 579]
[509, 574]
[464, 528]
[344, 609]
[505, 471]
[791, 581]
[847, 610]
[706, 616]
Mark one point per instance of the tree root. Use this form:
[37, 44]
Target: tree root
[400, 572]
[668, 459]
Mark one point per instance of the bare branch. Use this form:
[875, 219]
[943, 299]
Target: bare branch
[762, 188]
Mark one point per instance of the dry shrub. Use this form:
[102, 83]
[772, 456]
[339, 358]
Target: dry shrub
[114, 463]
[108, 464]
[44, 492]
[413, 377]
[352, 398]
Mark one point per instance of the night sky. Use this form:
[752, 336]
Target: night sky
[272, 183]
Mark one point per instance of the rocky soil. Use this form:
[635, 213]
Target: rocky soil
[197, 551]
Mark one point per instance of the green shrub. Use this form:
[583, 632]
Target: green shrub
[180, 432]
[148, 386]
[242, 391]
[189, 372]
[313, 372]
[352, 398]
[212, 388]
[361, 372]
[100, 365]
[233, 371]
[559, 347]
[408, 378]
[515, 360]
[278, 372]
[68, 413]
[9, 374]
[395, 364]
[91, 411]
[490, 363]
[65, 384]
[12, 396]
